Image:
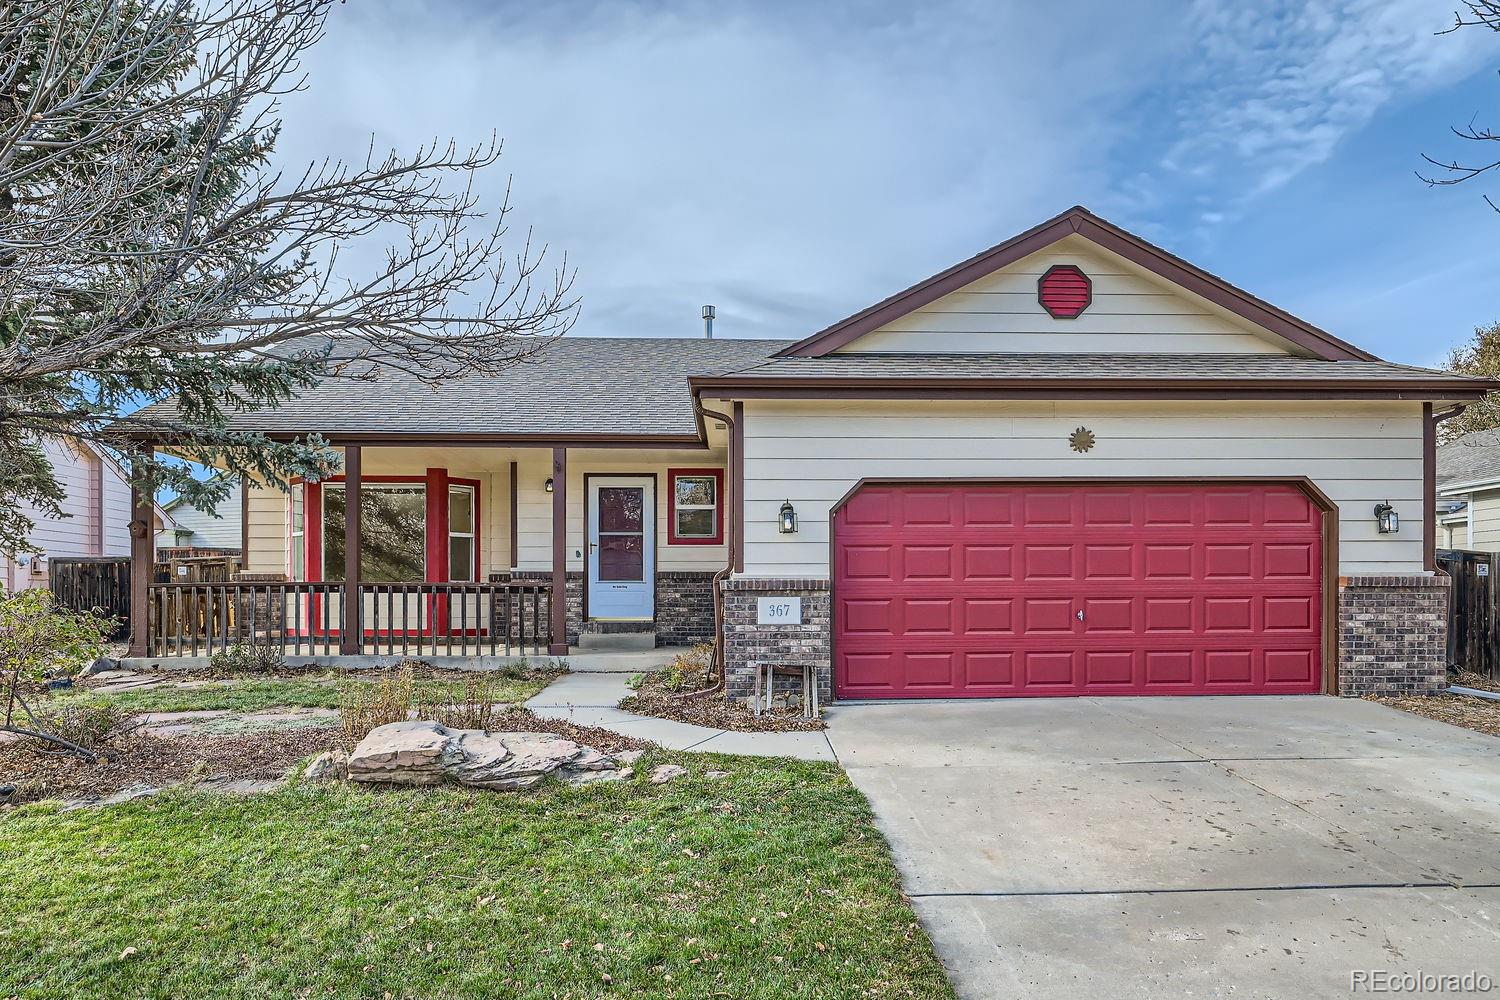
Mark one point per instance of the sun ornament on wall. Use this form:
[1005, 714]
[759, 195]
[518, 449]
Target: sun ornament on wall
[1081, 440]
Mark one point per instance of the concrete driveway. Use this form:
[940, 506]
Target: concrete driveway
[1203, 847]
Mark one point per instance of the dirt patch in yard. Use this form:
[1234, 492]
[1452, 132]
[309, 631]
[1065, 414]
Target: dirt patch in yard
[144, 759]
[1479, 714]
[211, 750]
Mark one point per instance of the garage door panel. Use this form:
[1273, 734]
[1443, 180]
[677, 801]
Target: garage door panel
[928, 562]
[984, 508]
[1109, 667]
[1047, 668]
[926, 508]
[989, 616]
[867, 616]
[976, 590]
[1228, 667]
[928, 616]
[1108, 509]
[1115, 561]
[868, 562]
[1109, 615]
[989, 671]
[988, 562]
[1047, 615]
[930, 669]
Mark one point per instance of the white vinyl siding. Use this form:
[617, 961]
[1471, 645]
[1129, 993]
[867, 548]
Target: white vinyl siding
[1132, 312]
[813, 453]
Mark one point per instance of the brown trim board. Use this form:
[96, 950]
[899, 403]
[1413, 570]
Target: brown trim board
[1330, 555]
[794, 387]
[1104, 234]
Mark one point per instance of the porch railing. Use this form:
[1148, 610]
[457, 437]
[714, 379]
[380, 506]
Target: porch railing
[412, 619]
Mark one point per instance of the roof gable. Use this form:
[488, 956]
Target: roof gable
[1128, 311]
[1087, 234]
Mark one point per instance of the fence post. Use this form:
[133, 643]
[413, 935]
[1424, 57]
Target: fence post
[142, 555]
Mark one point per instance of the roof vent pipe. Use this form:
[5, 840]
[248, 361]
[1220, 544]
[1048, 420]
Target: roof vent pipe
[708, 321]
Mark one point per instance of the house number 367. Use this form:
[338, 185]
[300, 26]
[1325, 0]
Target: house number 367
[778, 611]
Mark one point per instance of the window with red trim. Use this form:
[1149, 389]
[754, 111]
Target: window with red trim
[695, 515]
[404, 538]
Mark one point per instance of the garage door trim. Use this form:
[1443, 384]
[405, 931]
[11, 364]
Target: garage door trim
[1319, 500]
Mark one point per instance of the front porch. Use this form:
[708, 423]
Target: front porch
[460, 550]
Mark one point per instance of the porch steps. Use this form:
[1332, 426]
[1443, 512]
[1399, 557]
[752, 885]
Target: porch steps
[617, 641]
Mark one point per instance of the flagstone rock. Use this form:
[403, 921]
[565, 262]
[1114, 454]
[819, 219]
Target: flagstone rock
[425, 753]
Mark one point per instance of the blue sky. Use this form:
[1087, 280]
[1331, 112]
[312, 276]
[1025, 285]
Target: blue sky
[792, 163]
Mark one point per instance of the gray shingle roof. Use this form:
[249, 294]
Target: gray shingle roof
[1473, 456]
[1123, 366]
[577, 385]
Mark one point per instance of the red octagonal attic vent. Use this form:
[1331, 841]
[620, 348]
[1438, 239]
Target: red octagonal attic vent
[1064, 291]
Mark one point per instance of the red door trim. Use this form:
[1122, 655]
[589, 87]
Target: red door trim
[1330, 581]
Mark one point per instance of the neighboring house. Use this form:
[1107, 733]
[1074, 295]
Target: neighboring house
[1468, 487]
[97, 505]
[220, 531]
[1073, 464]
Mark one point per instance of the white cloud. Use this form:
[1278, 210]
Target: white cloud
[786, 166]
[1278, 85]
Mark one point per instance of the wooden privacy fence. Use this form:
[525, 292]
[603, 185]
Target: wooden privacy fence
[88, 583]
[413, 619]
[1472, 636]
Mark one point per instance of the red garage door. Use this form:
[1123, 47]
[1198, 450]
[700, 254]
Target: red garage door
[987, 591]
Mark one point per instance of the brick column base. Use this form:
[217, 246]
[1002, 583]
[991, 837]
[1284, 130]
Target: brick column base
[747, 644]
[1393, 634]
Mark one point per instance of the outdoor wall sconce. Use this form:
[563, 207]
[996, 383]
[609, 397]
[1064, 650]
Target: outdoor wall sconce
[549, 484]
[787, 523]
[1387, 521]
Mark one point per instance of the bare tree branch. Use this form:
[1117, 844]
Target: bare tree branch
[149, 250]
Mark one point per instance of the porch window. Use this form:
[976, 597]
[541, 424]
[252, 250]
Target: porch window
[392, 532]
[697, 506]
[461, 534]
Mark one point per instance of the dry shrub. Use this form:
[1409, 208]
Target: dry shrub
[476, 707]
[90, 724]
[363, 707]
[690, 670]
[260, 656]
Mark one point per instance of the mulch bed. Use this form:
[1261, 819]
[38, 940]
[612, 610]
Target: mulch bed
[143, 759]
[521, 720]
[1477, 681]
[710, 709]
[1478, 714]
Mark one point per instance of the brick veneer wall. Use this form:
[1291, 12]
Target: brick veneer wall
[684, 608]
[574, 598]
[746, 643]
[684, 604]
[1393, 633]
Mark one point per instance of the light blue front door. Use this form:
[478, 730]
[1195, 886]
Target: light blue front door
[622, 547]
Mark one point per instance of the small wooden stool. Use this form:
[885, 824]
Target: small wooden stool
[765, 678]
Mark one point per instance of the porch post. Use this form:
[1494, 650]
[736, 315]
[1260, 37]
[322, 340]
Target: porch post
[559, 645]
[353, 634]
[142, 559]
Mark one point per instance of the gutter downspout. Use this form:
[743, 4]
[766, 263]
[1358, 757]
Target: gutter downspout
[731, 527]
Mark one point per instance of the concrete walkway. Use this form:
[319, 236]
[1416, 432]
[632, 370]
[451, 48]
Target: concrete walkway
[588, 698]
[1205, 847]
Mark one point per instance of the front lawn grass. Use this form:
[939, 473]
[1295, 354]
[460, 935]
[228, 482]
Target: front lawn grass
[770, 881]
[257, 694]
